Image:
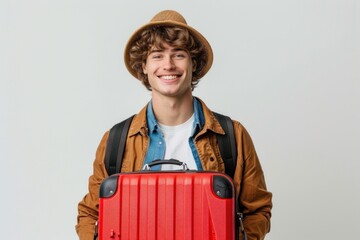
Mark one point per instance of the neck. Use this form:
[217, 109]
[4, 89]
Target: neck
[172, 111]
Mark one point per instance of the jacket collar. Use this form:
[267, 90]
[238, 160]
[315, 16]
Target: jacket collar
[138, 124]
[211, 123]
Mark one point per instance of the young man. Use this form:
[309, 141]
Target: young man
[169, 58]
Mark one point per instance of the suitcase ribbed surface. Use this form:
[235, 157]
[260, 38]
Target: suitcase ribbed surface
[166, 206]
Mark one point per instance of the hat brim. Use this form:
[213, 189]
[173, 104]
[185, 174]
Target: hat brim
[197, 35]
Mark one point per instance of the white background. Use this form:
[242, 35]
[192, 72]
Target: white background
[289, 70]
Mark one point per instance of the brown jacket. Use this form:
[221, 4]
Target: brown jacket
[248, 179]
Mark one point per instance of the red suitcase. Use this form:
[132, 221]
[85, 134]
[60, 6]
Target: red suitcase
[171, 205]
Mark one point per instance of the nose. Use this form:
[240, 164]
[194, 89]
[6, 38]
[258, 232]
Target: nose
[168, 63]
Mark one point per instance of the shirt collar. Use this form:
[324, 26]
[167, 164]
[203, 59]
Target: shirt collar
[151, 120]
[199, 119]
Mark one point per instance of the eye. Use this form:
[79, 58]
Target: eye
[180, 55]
[156, 56]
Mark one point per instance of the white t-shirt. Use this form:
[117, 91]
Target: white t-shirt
[177, 144]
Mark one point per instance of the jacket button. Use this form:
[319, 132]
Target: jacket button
[211, 159]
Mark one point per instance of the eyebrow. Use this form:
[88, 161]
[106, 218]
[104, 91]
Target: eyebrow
[162, 50]
[156, 51]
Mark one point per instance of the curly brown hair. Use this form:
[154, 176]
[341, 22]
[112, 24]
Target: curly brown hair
[176, 37]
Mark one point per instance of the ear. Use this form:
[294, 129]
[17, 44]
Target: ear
[144, 68]
[194, 66]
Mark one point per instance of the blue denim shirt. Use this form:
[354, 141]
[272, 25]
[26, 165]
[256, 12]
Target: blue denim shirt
[157, 144]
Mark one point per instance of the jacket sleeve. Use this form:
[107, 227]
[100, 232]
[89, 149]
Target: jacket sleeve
[255, 201]
[89, 205]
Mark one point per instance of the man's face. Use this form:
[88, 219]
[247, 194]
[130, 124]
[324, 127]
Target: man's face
[169, 71]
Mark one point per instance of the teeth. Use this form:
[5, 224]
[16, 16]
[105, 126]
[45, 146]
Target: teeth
[170, 77]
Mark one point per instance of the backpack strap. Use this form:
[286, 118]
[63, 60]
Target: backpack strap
[116, 146]
[227, 144]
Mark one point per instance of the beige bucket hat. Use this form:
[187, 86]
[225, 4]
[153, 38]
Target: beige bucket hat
[169, 18]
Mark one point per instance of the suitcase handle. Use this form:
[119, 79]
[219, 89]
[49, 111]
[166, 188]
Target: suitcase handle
[169, 161]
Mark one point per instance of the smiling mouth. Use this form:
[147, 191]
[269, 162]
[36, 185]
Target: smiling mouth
[169, 77]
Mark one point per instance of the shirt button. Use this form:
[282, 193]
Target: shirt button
[160, 143]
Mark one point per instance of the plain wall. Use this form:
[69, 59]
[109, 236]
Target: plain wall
[289, 70]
